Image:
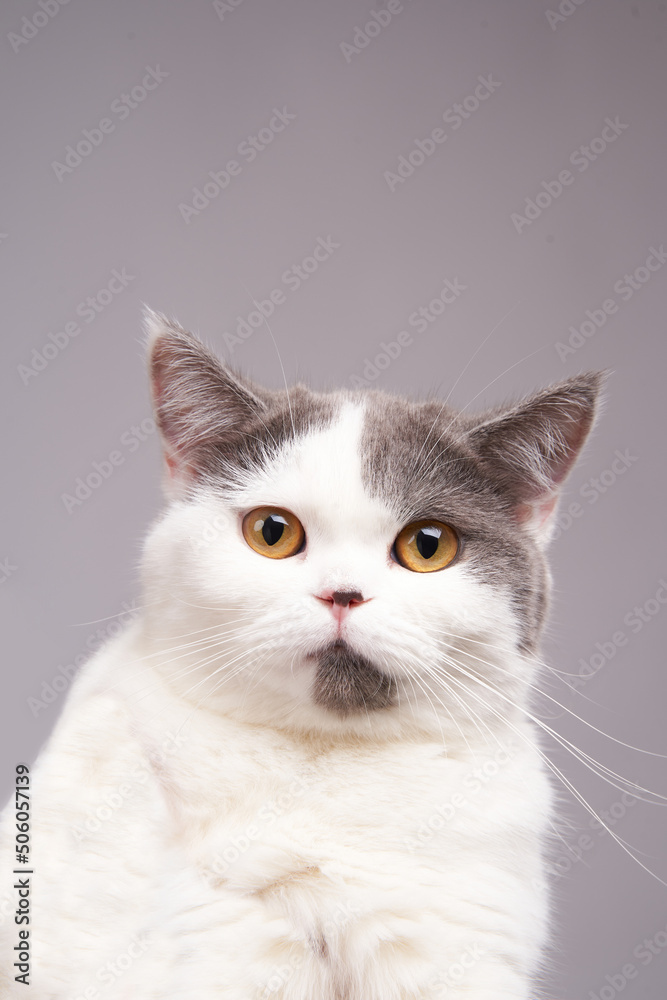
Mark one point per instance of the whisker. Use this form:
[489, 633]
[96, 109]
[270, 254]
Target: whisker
[564, 742]
[545, 694]
[565, 781]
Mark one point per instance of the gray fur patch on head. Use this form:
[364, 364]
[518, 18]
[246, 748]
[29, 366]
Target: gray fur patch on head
[217, 425]
[347, 683]
[285, 417]
[480, 475]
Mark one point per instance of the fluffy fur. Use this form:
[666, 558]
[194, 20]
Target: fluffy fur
[243, 799]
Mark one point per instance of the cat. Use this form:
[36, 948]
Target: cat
[306, 770]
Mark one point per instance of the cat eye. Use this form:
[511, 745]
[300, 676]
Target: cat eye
[273, 532]
[426, 546]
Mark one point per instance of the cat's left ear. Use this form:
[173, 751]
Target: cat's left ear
[530, 448]
[202, 409]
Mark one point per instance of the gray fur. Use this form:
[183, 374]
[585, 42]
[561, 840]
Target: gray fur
[215, 422]
[476, 473]
[347, 683]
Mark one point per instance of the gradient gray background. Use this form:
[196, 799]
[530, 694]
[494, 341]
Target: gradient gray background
[323, 176]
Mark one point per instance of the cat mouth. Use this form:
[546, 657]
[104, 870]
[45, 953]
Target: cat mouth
[347, 683]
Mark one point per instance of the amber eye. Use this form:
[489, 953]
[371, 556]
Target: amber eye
[426, 546]
[273, 532]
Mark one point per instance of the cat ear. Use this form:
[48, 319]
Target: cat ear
[531, 448]
[200, 407]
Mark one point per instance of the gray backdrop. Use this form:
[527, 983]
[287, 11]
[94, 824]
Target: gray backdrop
[513, 149]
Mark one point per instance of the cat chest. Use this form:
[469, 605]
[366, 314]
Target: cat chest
[322, 829]
[315, 874]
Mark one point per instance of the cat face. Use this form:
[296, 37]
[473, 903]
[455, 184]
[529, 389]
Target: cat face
[344, 559]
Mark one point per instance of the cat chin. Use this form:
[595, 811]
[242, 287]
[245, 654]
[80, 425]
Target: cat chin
[347, 683]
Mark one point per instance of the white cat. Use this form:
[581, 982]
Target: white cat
[305, 772]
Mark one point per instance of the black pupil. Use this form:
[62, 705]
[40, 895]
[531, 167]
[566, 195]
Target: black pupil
[427, 541]
[272, 529]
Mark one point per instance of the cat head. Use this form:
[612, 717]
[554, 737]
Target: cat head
[348, 558]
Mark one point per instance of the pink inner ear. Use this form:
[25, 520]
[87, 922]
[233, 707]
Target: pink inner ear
[539, 513]
[179, 471]
[176, 468]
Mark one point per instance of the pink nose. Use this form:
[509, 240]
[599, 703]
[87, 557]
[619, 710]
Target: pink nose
[341, 601]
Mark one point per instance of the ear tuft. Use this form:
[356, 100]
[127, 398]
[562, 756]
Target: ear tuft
[201, 408]
[156, 324]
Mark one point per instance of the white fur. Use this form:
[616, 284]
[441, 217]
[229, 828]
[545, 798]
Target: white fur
[211, 833]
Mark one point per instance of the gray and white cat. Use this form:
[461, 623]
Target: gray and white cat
[306, 771]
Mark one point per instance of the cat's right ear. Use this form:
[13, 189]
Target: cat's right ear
[530, 447]
[200, 407]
